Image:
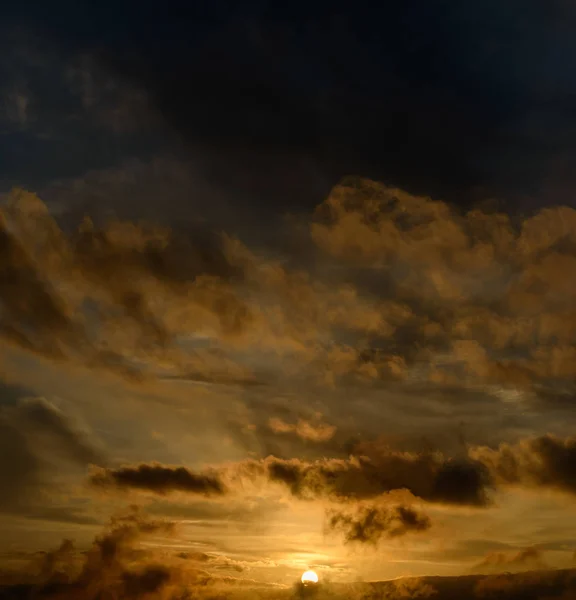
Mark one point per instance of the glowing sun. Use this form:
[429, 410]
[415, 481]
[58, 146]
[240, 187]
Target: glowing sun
[309, 577]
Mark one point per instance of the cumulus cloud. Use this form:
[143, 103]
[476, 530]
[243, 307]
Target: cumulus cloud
[486, 296]
[369, 524]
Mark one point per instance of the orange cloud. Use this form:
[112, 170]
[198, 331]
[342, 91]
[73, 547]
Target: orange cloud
[303, 429]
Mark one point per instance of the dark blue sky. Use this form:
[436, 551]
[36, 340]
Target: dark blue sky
[274, 103]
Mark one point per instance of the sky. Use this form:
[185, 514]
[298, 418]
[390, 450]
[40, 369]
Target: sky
[287, 288]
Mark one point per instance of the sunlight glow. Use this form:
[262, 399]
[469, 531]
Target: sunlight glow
[309, 577]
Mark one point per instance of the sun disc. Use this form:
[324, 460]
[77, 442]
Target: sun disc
[309, 577]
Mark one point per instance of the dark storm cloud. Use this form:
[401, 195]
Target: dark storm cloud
[52, 100]
[131, 191]
[461, 100]
[368, 525]
[442, 98]
[160, 479]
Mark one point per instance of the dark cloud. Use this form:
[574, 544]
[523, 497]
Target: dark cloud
[461, 482]
[546, 461]
[479, 296]
[410, 290]
[149, 580]
[335, 77]
[42, 418]
[35, 435]
[119, 565]
[368, 525]
[10, 393]
[432, 478]
[121, 535]
[385, 310]
[426, 476]
[171, 259]
[51, 100]
[160, 479]
[111, 272]
[57, 565]
[43, 312]
[106, 567]
[471, 109]
[20, 467]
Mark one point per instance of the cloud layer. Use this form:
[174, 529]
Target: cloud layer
[431, 295]
[393, 355]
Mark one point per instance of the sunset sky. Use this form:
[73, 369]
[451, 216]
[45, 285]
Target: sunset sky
[286, 289]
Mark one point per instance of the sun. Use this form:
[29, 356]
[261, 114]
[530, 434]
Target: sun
[309, 577]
